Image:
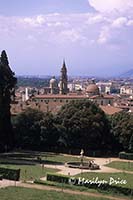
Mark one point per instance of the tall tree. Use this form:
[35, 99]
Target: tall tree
[27, 127]
[35, 130]
[7, 84]
[122, 128]
[85, 126]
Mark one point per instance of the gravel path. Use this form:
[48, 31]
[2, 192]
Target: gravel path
[100, 161]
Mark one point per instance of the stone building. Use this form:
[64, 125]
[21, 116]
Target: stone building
[62, 86]
[54, 89]
[92, 89]
[63, 80]
[59, 95]
[126, 90]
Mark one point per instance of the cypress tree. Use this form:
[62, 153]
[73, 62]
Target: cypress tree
[7, 85]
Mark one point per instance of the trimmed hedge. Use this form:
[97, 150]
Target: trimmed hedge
[1, 177]
[11, 174]
[58, 178]
[124, 155]
[105, 187]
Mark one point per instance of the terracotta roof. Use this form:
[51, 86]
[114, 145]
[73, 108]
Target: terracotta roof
[60, 97]
[124, 106]
[102, 97]
[110, 110]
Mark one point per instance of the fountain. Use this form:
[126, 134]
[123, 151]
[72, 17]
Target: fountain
[82, 156]
[83, 164]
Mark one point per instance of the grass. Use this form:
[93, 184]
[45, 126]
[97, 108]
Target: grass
[31, 158]
[30, 165]
[18, 193]
[82, 189]
[62, 158]
[128, 166]
[30, 172]
[31, 169]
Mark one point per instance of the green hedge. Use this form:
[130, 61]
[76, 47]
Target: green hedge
[1, 177]
[11, 174]
[124, 155]
[58, 178]
[105, 187]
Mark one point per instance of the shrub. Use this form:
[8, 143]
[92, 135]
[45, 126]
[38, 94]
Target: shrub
[124, 155]
[104, 187]
[1, 177]
[11, 174]
[57, 178]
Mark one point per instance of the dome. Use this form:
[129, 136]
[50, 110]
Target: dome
[92, 89]
[52, 80]
[53, 85]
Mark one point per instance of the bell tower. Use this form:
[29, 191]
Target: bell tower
[63, 79]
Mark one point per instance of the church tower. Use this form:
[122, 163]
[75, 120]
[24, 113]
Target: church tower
[63, 79]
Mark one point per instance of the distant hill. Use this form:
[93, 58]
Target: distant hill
[129, 73]
[32, 81]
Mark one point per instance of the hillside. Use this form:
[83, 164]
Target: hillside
[129, 73]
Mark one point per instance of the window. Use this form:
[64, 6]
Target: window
[46, 101]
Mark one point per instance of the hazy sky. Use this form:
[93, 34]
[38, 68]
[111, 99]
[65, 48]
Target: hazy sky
[94, 36]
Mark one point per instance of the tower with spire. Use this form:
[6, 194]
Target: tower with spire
[63, 79]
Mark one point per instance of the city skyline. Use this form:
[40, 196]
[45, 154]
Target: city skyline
[94, 38]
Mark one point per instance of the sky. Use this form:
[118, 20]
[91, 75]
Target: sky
[95, 37]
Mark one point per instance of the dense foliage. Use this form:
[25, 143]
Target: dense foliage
[33, 82]
[122, 128]
[11, 174]
[35, 130]
[78, 125]
[85, 126]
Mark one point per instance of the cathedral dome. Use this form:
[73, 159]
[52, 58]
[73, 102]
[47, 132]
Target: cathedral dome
[53, 80]
[92, 89]
[53, 86]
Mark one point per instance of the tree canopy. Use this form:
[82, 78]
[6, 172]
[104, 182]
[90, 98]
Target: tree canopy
[35, 130]
[122, 128]
[85, 126]
[78, 125]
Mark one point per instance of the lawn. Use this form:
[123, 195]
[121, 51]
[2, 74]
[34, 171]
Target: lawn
[30, 172]
[83, 189]
[128, 166]
[17, 193]
[60, 158]
[32, 157]
[29, 163]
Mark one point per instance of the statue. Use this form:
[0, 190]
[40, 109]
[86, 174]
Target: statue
[82, 156]
[7, 93]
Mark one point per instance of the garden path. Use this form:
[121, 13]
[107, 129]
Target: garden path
[100, 161]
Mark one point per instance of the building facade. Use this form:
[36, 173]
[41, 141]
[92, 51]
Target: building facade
[63, 89]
